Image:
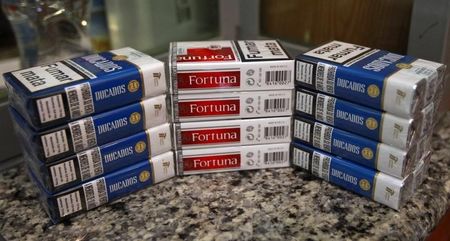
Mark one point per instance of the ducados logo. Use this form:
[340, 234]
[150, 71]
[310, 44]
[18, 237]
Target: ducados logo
[135, 117]
[144, 176]
[364, 184]
[403, 66]
[140, 147]
[133, 85]
[373, 91]
[367, 153]
[371, 123]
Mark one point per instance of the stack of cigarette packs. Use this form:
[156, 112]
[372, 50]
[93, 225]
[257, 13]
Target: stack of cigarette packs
[231, 105]
[93, 128]
[98, 127]
[364, 119]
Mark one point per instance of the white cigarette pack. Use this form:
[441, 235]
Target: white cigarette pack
[231, 105]
[203, 134]
[216, 66]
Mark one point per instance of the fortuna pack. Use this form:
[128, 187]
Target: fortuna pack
[53, 94]
[401, 85]
[107, 188]
[232, 132]
[355, 148]
[211, 66]
[76, 136]
[371, 123]
[235, 158]
[101, 160]
[231, 105]
[367, 182]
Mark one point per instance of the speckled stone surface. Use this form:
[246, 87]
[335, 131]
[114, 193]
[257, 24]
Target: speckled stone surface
[278, 204]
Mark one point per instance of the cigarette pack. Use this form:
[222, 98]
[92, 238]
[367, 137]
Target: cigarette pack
[355, 148]
[101, 160]
[50, 95]
[107, 188]
[380, 187]
[374, 124]
[211, 66]
[421, 171]
[232, 132]
[79, 135]
[231, 105]
[235, 158]
[427, 119]
[397, 84]
[423, 147]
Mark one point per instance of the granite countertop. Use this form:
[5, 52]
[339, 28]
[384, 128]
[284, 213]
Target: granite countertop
[278, 204]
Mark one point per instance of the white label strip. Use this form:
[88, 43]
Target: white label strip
[304, 102]
[55, 143]
[80, 100]
[69, 203]
[50, 108]
[302, 130]
[90, 163]
[83, 134]
[95, 193]
[301, 158]
[63, 173]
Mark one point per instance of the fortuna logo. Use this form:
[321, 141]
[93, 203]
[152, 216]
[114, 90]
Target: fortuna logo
[214, 136]
[212, 80]
[212, 162]
[209, 107]
[199, 80]
[210, 136]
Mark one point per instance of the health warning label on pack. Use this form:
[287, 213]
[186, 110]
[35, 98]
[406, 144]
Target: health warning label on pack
[46, 76]
[51, 108]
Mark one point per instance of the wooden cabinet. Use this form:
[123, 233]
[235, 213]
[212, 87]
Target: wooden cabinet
[376, 23]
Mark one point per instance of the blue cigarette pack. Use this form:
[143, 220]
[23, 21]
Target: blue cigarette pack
[65, 140]
[380, 187]
[97, 161]
[366, 152]
[103, 190]
[398, 84]
[50, 95]
[371, 123]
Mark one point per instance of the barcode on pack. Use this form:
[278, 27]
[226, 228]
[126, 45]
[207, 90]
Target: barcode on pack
[276, 132]
[301, 158]
[278, 77]
[277, 157]
[304, 72]
[320, 165]
[325, 77]
[95, 193]
[302, 130]
[80, 100]
[322, 136]
[276, 105]
[90, 162]
[325, 106]
[83, 134]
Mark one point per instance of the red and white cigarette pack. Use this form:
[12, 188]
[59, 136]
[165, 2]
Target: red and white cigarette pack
[231, 105]
[246, 65]
[235, 158]
[189, 135]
